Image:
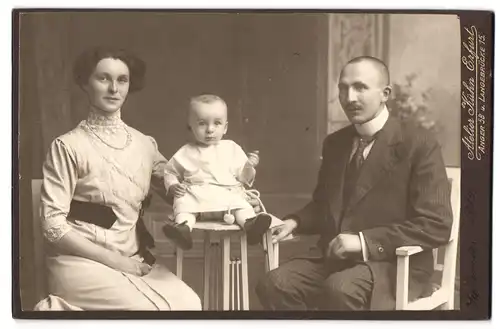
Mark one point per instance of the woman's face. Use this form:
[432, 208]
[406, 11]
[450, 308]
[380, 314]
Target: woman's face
[108, 85]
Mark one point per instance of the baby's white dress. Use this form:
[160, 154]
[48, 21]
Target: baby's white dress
[214, 177]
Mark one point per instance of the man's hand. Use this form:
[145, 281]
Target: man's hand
[178, 190]
[253, 158]
[343, 246]
[284, 230]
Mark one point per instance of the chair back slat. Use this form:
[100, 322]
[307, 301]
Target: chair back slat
[38, 241]
[450, 251]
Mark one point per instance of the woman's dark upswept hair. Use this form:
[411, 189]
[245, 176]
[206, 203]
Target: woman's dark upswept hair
[87, 61]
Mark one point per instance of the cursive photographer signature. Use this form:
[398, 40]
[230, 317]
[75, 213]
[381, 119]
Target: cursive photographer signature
[474, 93]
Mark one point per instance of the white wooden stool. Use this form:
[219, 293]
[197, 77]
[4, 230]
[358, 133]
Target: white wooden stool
[234, 271]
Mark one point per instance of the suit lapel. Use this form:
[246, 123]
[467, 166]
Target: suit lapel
[341, 156]
[382, 158]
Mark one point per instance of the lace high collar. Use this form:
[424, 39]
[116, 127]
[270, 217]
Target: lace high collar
[98, 120]
[108, 129]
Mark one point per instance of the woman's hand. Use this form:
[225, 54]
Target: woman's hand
[132, 266]
[75, 244]
[178, 190]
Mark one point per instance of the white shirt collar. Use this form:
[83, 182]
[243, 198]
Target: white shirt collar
[371, 127]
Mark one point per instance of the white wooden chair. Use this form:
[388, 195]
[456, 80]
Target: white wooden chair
[235, 294]
[442, 297]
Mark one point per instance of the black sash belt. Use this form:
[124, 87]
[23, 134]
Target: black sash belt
[104, 216]
[92, 213]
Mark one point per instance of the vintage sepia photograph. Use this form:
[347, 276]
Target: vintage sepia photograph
[252, 161]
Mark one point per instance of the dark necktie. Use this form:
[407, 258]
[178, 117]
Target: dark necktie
[358, 158]
[354, 168]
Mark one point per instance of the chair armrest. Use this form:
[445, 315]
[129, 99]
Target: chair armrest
[291, 237]
[406, 251]
[403, 273]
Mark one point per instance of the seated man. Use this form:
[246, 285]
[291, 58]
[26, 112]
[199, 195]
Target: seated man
[382, 185]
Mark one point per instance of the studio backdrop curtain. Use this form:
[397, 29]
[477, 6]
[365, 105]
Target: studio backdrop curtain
[351, 35]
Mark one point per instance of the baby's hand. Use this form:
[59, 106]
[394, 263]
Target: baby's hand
[253, 158]
[179, 190]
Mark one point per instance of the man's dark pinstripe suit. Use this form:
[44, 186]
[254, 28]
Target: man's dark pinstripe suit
[402, 198]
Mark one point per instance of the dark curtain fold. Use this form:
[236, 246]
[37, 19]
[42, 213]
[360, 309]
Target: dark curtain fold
[44, 113]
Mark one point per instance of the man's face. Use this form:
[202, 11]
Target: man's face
[363, 91]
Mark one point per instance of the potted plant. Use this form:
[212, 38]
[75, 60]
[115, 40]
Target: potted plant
[408, 104]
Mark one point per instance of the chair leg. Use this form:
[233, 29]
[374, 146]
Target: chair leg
[232, 300]
[237, 266]
[269, 251]
[179, 256]
[225, 271]
[264, 247]
[276, 255]
[402, 280]
[449, 305]
[217, 275]
[244, 272]
[206, 272]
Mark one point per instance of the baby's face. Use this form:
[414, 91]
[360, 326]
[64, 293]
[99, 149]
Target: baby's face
[208, 122]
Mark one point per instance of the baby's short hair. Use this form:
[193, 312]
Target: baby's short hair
[206, 99]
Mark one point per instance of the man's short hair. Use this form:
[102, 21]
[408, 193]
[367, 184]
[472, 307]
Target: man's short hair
[377, 63]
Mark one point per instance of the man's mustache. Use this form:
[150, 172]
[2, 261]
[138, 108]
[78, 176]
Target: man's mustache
[353, 107]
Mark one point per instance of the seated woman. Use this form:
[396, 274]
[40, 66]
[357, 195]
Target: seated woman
[95, 179]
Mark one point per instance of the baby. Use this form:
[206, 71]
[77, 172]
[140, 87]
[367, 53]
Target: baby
[208, 175]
